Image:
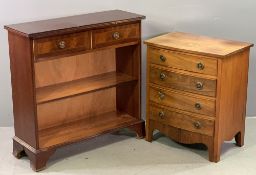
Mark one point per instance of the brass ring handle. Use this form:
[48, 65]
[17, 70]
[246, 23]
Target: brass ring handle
[162, 58]
[116, 35]
[162, 76]
[62, 44]
[161, 95]
[200, 66]
[199, 85]
[198, 106]
[161, 114]
[197, 125]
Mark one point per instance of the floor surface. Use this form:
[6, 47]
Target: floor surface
[123, 154]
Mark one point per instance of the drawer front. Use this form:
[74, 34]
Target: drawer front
[114, 35]
[183, 82]
[182, 121]
[183, 101]
[183, 61]
[59, 45]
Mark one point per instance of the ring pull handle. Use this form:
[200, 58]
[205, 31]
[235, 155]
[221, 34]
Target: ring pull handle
[161, 95]
[200, 66]
[162, 58]
[199, 85]
[162, 76]
[62, 44]
[116, 35]
[161, 114]
[198, 106]
[197, 125]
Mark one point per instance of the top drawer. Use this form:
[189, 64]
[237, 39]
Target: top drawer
[59, 45]
[183, 61]
[114, 35]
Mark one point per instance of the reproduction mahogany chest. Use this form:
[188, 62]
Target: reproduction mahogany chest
[74, 78]
[196, 89]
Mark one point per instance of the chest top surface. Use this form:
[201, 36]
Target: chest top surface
[73, 23]
[197, 44]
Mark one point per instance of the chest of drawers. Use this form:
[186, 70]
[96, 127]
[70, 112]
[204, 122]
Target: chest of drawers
[196, 89]
[74, 78]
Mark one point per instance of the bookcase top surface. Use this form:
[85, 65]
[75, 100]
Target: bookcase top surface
[197, 44]
[70, 24]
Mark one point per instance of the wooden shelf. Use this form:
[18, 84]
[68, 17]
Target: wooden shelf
[84, 129]
[85, 85]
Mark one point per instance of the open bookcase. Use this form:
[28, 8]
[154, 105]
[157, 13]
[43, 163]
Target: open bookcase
[74, 78]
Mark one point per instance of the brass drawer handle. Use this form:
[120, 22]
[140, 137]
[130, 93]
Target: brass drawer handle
[161, 114]
[198, 106]
[200, 66]
[162, 76]
[161, 95]
[116, 35]
[197, 125]
[62, 44]
[162, 58]
[199, 85]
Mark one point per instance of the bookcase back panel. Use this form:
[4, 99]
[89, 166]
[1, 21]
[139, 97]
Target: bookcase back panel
[65, 69]
[75, 108]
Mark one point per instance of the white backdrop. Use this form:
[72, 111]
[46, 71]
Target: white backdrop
[219, 18]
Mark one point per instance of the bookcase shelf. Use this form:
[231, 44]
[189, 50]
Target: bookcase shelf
[84, 85]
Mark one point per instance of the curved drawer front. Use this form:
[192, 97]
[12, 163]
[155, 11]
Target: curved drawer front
[115, 35]
[182, 121]
[63, 44]
[183, 82]
[183, 61]
[186, 102]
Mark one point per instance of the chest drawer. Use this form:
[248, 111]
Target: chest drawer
[183, 61]
[183, 101]
[60, 45]
[183, 121]
[182, 82]
[113, 35]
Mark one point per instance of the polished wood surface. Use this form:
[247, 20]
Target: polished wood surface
[113, 35]
[59, 45]
[185, 82]
[85, 128]
[52, 72]
[73, 24]
[183, 61]
[175, 62]
[197, 44]
[23, 89]
[73, 79]
[202, 125]
[80, 86]
[182, 100]
[75, 108]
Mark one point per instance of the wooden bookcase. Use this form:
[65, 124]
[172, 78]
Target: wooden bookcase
[74, 78]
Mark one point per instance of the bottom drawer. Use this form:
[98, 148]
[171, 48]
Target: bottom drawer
[202, 125]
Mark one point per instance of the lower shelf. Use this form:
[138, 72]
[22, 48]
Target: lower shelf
[84, 129]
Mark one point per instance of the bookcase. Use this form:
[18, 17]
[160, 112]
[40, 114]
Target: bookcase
[74, 78]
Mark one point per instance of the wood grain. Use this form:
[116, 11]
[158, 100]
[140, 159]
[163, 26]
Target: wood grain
[23, 89]
[183, 82]
[73, 24]
[80, 86]
[84, 129]
[72, 43]
[183, 121]
[75, 108]
[104, 37]
[182, 61]
[182, 100]
[73, 68]
[197, 44]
